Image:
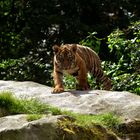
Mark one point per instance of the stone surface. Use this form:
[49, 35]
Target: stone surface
[17, 128]
[130, 130]
[124, 104]
[48, 128]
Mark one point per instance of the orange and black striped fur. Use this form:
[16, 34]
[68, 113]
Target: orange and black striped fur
[77, 60]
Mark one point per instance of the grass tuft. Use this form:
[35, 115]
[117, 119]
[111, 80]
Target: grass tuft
[32, 117]
[14, 105]
[7, 100]
[108, 120]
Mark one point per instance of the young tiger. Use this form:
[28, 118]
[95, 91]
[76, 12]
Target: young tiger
[77, 60]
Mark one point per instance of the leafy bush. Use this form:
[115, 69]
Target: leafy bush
[125, 69]
[92, 41]
[26, 68]
[70, 82]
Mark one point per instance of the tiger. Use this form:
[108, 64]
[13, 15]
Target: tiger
[78, 61]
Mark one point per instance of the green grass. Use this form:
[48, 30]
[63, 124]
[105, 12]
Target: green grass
[14, 105]
[108, 120]
[32, 117]
[35, 110]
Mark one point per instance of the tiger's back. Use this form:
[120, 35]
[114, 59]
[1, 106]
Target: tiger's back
[90, 57]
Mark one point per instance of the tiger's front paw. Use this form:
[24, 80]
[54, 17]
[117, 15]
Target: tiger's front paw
[58, 90]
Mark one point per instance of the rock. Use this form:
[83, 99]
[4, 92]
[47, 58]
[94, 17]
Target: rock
[17, 128]
[124, 104]
[130, 130]
[49, 128]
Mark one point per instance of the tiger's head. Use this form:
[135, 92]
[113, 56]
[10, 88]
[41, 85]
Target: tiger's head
[64, 56]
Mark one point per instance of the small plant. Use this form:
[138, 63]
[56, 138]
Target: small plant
[7, 100]
[33, 117]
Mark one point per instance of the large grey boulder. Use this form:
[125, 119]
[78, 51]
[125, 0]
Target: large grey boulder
[124, 104]
[49, 128]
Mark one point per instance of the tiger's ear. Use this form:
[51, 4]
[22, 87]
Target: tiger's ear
[74, 48]
[55, 48]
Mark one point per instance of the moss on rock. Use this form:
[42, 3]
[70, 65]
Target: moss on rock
[69, 130]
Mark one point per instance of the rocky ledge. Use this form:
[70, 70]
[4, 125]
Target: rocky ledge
[50, 128]
[124, 104]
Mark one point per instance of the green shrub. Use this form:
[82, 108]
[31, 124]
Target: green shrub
[125, 69]
[26, 68]
[92, 41]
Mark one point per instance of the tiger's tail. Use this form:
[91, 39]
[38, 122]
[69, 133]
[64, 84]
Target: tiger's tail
[102, 78]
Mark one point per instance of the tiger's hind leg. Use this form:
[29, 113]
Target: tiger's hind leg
[105, 81]
[102, 78]
[107, 84]
[97, 83]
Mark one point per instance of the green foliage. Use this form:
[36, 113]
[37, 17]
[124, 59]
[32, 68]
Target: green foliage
[26, 68]
[109, 120]
[91, 81]
[24, 106]
[7, 100]
[92, 41]
[29, 28]
[137, 91]
[69, 82]
[125, 71]
[32, 117]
